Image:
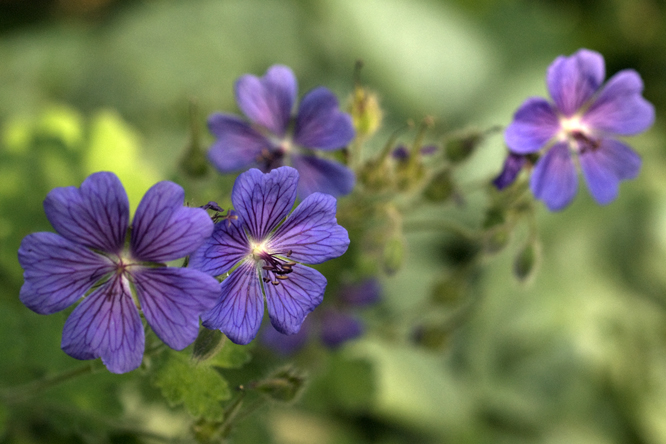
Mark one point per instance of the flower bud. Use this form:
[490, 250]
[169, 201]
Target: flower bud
[496, 239]
[432, 337]
[527, 260]
[460, 148]
[440, 187]
[393, 256]
[285, 385]
[207, 344]
[449, 290]
[365, 111]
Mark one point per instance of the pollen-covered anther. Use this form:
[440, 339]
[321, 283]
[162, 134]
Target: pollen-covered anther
[275, 268]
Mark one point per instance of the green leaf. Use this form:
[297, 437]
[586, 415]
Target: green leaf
[199, 387]
[231, 355]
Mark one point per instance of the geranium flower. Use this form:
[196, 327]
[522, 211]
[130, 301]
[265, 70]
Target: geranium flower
[584, 120]
[89, 256]
[266, 255]
[268, 141]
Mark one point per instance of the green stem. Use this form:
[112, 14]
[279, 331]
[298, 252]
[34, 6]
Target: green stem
[26, 391]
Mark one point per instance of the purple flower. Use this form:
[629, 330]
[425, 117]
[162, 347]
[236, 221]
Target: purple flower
[335, 325]
[401, 152]
[584, 120]
[267, 142]
[360, 294]
[338, 327]
[286, 345]
[267, 255]
[90, 255]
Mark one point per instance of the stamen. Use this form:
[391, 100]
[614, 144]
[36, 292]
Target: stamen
[275, 268]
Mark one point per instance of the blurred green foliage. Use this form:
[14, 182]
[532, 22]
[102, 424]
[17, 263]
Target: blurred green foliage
[574, 356]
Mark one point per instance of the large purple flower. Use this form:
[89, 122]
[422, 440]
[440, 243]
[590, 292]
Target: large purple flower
[584, 121]
[267, 254]
[89, 256]
[268, 141]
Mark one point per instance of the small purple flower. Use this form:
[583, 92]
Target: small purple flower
[268, 141]
[401, 152]
[338, 327]
[286, 345]
[360, 294]
[584, 120]
[267, 255]
[90, 255]
[335, 325]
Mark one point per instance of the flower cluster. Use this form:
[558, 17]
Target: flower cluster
[90, 256]
[260, 250]
[584, 121]
[267, 141]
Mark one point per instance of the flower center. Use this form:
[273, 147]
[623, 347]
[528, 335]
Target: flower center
[577, 134]
[275, 266]
[123, 262]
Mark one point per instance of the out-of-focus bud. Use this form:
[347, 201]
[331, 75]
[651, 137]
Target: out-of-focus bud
[461, 145]
[194, 162]
[497, 234]
[527, 260]
[440, 187]
[365, 111]
[496, 239]
[376, 175]
[449, 290]
[284, 385]
[432, 337]
[207, 344]
[459, 148]
[393, 256]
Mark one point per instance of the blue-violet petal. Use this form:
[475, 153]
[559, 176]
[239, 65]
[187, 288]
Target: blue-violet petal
[320, 123]
[95, 215]
[268, 100]
[554, 178]
[163, 229]
[311, 232]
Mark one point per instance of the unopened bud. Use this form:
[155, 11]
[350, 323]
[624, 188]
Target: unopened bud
[394, 253]
[432, 337]
[460, 148]
[365, 111]
[526, 261]
[496, 239]
[440, 187]
[207, 344]
[449, 290]
[285, 385]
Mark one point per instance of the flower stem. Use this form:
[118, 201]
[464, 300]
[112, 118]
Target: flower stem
[26, 391]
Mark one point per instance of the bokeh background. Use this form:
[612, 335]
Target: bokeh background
[576, 355]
